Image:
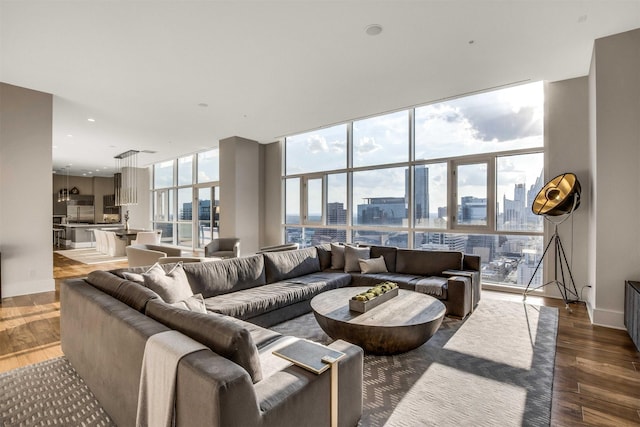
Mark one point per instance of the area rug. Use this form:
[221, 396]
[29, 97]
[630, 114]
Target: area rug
[493, 369]
[89, 256]
[49, 393]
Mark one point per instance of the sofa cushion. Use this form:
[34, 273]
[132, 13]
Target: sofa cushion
[134, 295]
[193, 303]
[324, 255]
[373, 265]
[281, 266]
[352, 255]
[172, 286]
[222, 335]
[337, 256]
[427, 263]
[229, 275]
[389, 254]
[256, 301]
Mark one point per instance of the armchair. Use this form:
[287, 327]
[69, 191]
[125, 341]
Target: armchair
[228, 247]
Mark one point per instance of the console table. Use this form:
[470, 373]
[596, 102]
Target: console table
[632, 310]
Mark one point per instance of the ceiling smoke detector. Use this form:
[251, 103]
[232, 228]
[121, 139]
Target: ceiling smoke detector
[373, 29]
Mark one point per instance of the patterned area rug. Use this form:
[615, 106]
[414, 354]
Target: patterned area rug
[49, 393]
[89, 256]
[493, 369]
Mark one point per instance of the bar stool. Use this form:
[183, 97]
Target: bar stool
[57, 234]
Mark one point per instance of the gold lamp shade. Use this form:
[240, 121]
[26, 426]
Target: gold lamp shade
[558, 196]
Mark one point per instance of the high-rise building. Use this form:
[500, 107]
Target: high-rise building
[420, 193]
[336, 214]
[472, 209]
[382, 211]
[514, 215]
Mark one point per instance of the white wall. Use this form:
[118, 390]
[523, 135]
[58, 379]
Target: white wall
[567, 150]
[615, 107]
[25, 191]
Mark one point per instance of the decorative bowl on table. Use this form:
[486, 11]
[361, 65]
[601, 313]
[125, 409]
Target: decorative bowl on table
[373, 297]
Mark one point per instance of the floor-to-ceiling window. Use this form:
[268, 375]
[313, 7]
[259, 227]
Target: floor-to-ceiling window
[453, 175]
[178, 186]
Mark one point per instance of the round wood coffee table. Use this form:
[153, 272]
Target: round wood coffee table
[400, 324]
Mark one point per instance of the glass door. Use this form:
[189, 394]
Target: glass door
[208, 220]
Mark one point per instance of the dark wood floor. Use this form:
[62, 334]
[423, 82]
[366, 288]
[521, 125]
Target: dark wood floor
[596, 378]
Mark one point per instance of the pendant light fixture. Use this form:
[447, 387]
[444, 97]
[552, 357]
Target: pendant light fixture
[126, 180]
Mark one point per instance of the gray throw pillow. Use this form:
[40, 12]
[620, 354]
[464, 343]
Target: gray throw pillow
[352, 256]
[133, 277]
[193, 303]
[337, 256]
[373, 265]
[172, 286]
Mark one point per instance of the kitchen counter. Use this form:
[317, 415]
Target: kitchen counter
[80, 235]
[96, 225]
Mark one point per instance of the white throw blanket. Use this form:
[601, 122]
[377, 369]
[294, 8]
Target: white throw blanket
[156, 396]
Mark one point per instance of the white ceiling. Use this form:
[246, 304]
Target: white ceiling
[272, 68]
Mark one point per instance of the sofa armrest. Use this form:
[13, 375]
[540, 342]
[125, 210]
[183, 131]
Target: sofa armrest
[213, 391]
[476, 283]
[459, 296]
[295, 394]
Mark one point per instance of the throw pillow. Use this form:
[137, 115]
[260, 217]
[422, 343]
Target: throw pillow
[133, 277]
[172, 286]
[337, 256]
[373, 265]
[352, 256]
[193, 303]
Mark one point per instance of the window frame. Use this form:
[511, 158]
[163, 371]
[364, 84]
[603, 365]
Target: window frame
[410, 226]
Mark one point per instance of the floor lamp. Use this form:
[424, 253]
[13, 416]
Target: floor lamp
[559, 198]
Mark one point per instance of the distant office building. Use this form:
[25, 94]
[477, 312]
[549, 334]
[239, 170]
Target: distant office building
[484, 245]
[382, 211]
[420, 194]
[472, 209]
[441, 242]
[336, 214]
[531, 196]
[515, 215]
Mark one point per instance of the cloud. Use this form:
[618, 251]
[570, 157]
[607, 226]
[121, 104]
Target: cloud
[367, 145]
[317, 144]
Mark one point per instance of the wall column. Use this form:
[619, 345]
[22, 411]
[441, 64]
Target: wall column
[25, 191]
[614, 110]
[240, 195]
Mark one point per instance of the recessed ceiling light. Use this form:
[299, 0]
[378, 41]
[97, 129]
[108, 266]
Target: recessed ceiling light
[90, 119]
[373, 29]
[203, 105]
[69, 135]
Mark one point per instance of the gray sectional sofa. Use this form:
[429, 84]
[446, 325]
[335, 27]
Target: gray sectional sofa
[106, 319]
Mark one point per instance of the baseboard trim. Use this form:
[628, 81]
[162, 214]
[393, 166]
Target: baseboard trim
[26, 288]
[608, 318]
